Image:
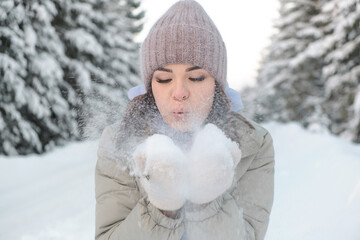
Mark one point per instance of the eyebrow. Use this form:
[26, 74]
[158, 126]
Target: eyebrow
[186, 70]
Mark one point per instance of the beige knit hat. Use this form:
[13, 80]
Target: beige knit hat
[184, 34]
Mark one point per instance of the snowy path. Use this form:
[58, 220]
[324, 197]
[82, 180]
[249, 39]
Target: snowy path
[317, 190]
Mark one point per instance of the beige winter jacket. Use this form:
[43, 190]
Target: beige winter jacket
[242, 212]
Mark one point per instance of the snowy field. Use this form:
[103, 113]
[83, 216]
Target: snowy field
[317, 190]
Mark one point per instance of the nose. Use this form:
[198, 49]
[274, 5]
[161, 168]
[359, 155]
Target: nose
[180, 92]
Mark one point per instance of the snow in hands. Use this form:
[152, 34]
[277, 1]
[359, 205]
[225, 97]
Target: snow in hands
[213, 158]
[171, 176]
[160, 164]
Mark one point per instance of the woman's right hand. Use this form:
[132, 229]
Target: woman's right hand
[160, 166]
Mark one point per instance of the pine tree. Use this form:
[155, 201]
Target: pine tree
[287, 75]
[35, 115]
[341, 72]
[103, 58]
[315, 78]
[58, 59]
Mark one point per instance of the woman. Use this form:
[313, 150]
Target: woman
[182, 164]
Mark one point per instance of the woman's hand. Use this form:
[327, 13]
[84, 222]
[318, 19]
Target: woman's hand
[213, 158]
[208, 172]
[160, 166]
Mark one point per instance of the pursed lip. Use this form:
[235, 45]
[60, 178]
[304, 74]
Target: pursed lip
[180, 114]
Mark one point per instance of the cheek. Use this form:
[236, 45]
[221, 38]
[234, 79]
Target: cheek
[205, 98]
[160, 99]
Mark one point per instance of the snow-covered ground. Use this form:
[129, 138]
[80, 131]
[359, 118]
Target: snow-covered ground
[317, 186]
[49, 197]
[317, 190]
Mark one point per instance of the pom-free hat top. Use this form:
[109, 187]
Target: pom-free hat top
[184, 34]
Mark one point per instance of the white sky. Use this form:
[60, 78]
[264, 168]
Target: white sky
[244, 25]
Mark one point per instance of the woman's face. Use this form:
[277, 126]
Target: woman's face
[183, 94]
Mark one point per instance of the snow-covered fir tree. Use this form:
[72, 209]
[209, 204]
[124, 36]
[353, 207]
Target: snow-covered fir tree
[341, 72]
[311, 71]
[286, 77]
[34, 113]
[57, 58]
[103, 58]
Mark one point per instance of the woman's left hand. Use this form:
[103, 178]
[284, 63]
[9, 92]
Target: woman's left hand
[213, 158]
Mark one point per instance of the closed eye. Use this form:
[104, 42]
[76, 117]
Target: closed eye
[197, 79]
[163, 80]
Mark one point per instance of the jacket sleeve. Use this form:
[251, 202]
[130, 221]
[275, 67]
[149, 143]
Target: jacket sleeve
[121, 213]
[243, 211]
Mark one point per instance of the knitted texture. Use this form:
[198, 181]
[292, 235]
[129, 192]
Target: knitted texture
[184, 34]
